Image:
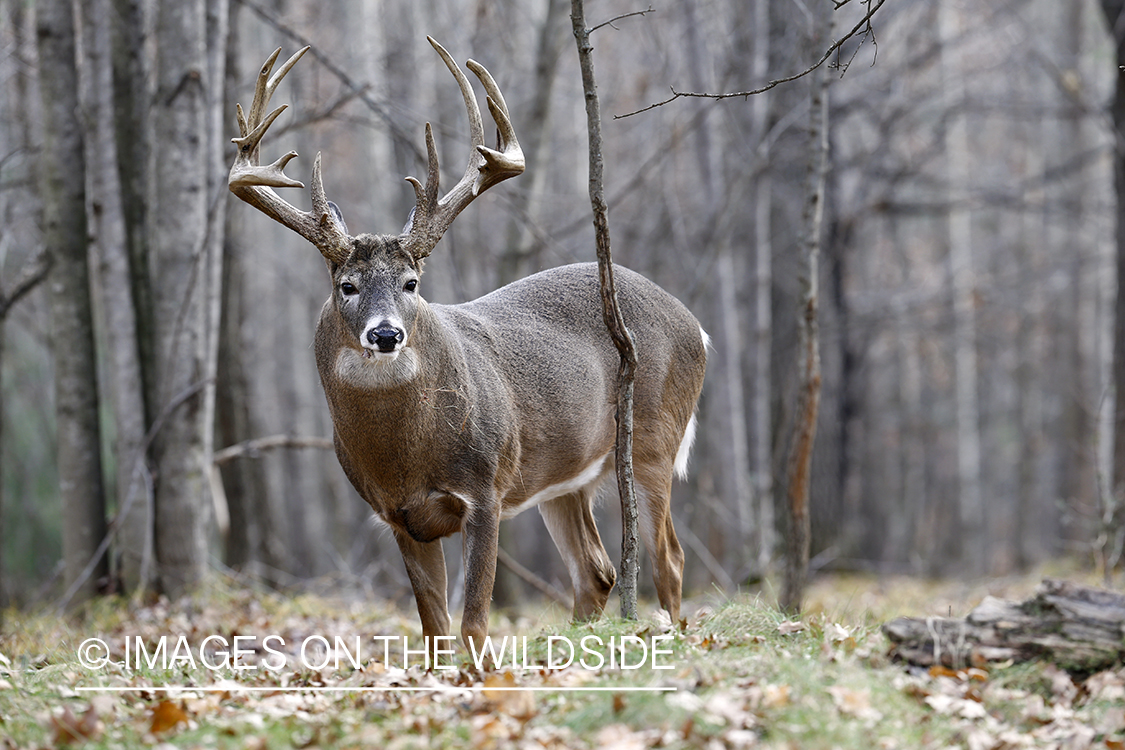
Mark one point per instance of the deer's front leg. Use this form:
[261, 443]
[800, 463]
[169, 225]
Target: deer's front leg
[480, 539]
[425, 565]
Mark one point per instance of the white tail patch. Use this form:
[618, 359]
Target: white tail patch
[706, 338]
[684, 451]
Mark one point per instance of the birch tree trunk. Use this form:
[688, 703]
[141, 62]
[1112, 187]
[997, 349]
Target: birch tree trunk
[808, 340]
[62, 182]
[762, 428]
[180, 272]
[522, 246]
[135, 523]
[123, 378]
[736, 457]
[243, 481]
[970, 500]
[1114, 11]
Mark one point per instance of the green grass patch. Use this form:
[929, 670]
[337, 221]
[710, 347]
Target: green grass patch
[741, 674]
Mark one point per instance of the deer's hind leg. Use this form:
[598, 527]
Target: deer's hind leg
[654, 511]
[570, 521]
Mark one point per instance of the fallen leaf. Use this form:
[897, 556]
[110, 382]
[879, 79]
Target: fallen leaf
[1111, 721]
[939, 670]
[767, 696]
[789, 627]
[1062, 687]
[661, 621]
[69, 729]
[951, 706]
[775, 696]
[856, 703]
[978, 739]
[740, 738]
[836, 633]
[620, 737]
[1105, 686]
[501, 691]
[490, 730]
[167, 715]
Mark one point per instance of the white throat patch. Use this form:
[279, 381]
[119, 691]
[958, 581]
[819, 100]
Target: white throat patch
[356, 370]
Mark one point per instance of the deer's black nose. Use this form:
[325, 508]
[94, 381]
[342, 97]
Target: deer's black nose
[386, 338]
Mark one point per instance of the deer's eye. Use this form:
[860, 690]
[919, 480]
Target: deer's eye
[349, 289]
[410, 286]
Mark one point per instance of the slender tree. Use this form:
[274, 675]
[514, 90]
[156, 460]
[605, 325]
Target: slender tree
[622, 339]
[962, 279]
[180, 268]
[131, 126]
[1114, 11]
[808, 340]
[63, 191]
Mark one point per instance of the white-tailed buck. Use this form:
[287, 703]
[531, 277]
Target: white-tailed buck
[452, 418]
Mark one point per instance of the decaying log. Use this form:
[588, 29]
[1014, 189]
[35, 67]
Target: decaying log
[1077, 627]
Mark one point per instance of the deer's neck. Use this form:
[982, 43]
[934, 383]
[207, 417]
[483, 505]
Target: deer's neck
[393, 427]
[345, 366]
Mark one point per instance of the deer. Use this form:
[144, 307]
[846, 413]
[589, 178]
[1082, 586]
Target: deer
[452, 418]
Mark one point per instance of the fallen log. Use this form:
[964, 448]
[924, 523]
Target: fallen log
[1078, 628]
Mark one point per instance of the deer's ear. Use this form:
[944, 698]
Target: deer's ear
[338, 215]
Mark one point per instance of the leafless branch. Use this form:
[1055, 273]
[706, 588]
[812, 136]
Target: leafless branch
[360, 89]
[614, 321]
[613, 20]
[863, 28]
[253, 448]
[140, 471]
[325, 113]
[542, 586]
[33, 271]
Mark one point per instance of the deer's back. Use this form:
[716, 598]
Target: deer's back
[547, 335]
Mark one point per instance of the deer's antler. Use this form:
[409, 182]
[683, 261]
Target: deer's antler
[431, 216]
[254, 183]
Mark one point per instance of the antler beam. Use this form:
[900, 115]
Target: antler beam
[487, 167]
[254, 183]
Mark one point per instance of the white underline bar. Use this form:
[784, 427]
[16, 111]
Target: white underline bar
[373, 689]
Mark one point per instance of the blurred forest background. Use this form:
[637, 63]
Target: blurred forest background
[968, 273]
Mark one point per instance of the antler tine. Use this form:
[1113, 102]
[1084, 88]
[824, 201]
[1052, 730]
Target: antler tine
[486, 167]
[252, 182]
[267, 84]
[426, 198]
[476, 125]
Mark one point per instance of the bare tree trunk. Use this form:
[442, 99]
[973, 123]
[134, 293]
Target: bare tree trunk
[970, 500]
[739, 544]
[64, 232]
[1114, 11]
[179, 268]
[135, 522]
[113, 291]
[808, 348]
[763, 299]
[244, 482]
[522, 246]
[33, 271]
[622, 339]
[215, 156]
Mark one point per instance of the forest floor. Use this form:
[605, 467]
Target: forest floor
[319, 672]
